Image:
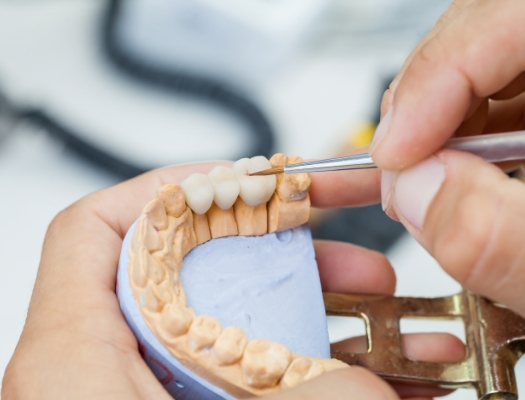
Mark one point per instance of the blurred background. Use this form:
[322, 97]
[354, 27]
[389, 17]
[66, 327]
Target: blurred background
[96, 91]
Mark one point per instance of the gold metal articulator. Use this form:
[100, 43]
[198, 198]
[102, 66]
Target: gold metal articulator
[495, 339]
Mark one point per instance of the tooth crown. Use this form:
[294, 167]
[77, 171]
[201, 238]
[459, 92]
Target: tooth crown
[204, 330]
[225, 185]
[254, 190]
[264, 363]
[199, 192]
[229, 346]
[176, 319]
[226, 202]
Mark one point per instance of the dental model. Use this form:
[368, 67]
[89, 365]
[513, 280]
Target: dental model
[226, 203]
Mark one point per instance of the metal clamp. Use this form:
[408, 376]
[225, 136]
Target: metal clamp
[495, 339]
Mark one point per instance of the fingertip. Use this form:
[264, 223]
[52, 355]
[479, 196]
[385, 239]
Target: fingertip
[356, 345]
[347, 268]
[387, 181]
[433, 347]
[391, 213]
[345, 188]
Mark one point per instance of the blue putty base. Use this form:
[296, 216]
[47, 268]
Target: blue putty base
[267, 285]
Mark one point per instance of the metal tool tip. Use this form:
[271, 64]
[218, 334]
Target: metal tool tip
[271, 171]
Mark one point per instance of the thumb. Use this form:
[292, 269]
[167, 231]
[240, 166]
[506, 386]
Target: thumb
[471, 217]
[341, 384]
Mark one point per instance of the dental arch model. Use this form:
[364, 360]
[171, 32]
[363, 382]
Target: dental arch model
[226, 202]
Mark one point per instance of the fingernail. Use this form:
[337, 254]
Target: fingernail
[382, 129]
[416, 187]
[387, 178]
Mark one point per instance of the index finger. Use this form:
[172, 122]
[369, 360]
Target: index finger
[475, 55]
[345, 188]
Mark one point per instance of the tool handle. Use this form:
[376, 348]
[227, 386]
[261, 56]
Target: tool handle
[494, 147]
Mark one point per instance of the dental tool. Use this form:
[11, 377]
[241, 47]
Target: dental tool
[496, 147]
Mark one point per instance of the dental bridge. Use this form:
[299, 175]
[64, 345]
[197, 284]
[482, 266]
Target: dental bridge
[228, 202]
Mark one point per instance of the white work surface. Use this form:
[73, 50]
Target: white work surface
[38, 179]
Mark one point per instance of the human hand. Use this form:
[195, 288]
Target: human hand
[76, 343]
[466, 77]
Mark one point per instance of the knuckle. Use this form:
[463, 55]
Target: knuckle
[433, 51]
[56, 224]
[58, 221]
[61, 221]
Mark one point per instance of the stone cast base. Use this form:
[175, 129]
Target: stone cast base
[267, 285]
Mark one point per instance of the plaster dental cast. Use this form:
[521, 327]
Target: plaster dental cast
[225, 202]
[467, 76]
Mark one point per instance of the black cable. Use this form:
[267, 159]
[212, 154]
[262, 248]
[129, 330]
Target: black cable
[73, 142]
[11, 115]
[183, 82]
[179, 82]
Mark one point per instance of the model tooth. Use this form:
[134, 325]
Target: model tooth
[146, 234]
[203, 332]
[201, 227]
[176, 289]
[176, 319]
[155, 269]
[146, 266]
[255, 190]
[290, 187]
[222, 222]
[156, 213]
[183, 238]
[164, 291]
[199, 192]
[152, 298]
[139, 273]
[301, 369]
[173, 198]
[284, 215]
[251, 221]
[264, 362]
[225, 185]
[230, 344]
